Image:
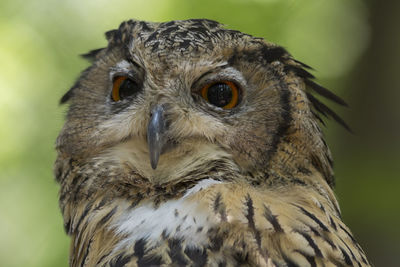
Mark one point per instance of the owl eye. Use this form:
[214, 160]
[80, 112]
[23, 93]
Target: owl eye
[123, 87]
[223, 94]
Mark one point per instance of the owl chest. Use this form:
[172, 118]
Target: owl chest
[185, 219]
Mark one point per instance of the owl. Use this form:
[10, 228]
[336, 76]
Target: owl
[190, 144]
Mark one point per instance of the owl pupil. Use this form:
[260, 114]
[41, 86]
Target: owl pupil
[128, 88]
[219, 94]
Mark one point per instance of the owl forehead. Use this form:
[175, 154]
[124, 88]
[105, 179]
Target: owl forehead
[185, 35]
[187, 40]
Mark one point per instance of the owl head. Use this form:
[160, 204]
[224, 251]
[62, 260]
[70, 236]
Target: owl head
[179, 100]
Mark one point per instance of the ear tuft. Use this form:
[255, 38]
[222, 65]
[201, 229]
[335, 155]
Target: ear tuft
[64, 99]
[91, 55]
[299, 69]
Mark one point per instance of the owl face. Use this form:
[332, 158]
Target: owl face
[164, 99]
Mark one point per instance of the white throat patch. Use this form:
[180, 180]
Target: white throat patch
[181, 218]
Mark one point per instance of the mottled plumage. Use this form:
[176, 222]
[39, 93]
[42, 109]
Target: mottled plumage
[155, 174]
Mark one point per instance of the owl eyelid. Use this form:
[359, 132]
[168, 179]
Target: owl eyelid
[222, 73]
[215, 80]
[131, 74]
[128, 68]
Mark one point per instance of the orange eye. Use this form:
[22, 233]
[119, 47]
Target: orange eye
[223, 94]
[123, 87]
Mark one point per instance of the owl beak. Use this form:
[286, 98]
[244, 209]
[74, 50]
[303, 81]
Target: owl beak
[156, 134]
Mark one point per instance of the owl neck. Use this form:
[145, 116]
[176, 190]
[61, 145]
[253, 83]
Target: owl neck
[300, 149]
[302, 159]
[294, 158]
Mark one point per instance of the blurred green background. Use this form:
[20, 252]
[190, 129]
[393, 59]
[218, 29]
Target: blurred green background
[353, 45]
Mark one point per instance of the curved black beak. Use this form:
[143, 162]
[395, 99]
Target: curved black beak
[156, 138]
